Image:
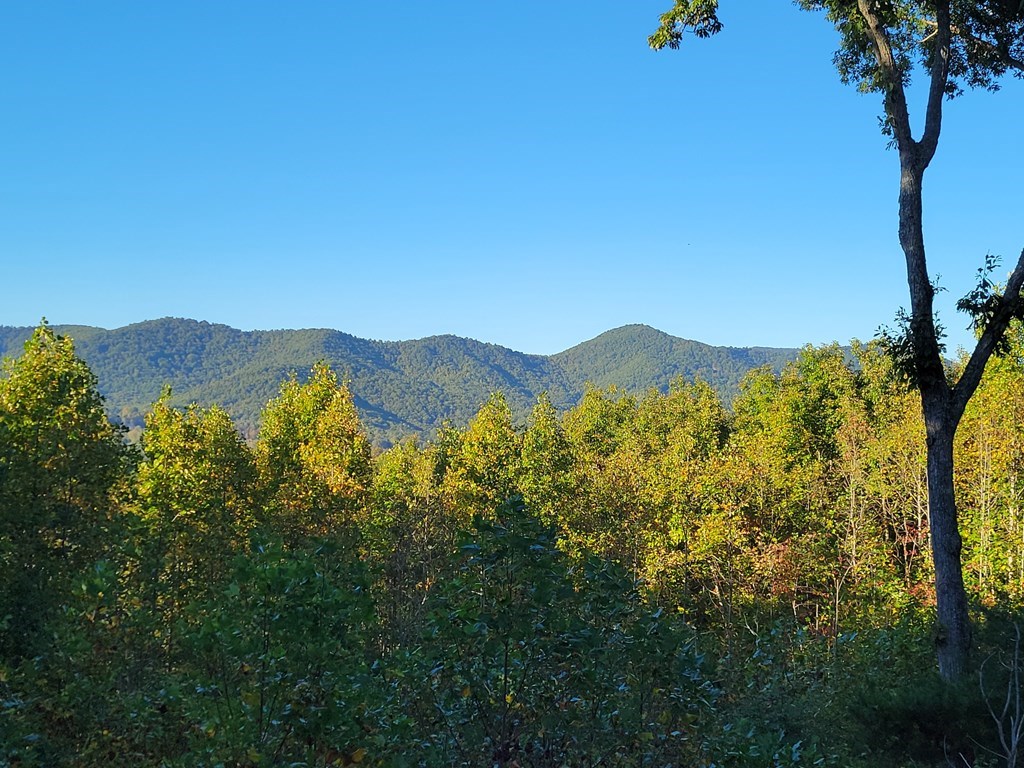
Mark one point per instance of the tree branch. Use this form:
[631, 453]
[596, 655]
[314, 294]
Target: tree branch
[1003, 56]
[939, 80]
[895, 96]
[1009, 307]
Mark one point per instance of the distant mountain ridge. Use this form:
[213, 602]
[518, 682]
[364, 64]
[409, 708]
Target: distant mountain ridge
[401, 387]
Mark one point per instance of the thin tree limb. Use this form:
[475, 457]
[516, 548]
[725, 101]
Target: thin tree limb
[1009, 307]
[1002, 55]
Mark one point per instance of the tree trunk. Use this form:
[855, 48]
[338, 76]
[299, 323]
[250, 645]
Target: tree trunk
[941, 416]
[943, 404]
[953, 631]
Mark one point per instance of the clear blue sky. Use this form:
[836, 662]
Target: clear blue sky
[527, 173]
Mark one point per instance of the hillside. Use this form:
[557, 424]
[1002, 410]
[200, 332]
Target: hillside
[637, 357]
[401, 387]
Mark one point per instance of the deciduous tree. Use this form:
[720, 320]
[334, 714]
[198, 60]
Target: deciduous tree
[195, 494]
[60, 457]
[313, 457]
[956, 44]
[484, 471]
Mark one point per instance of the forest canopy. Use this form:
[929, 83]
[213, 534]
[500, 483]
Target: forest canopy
[650, 579]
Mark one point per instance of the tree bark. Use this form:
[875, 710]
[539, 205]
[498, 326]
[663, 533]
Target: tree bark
[942, 414]
[953, 630]
[943, 406]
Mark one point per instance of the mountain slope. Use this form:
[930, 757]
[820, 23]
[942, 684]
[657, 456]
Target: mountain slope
[400, 387]
[636, 357]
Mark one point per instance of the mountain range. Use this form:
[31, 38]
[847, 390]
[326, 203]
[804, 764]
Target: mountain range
[400, 387]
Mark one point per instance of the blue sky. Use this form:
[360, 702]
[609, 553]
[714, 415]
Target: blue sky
[529, 174]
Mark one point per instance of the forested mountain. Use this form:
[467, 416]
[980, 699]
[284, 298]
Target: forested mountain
[400, 387]
[637, 357]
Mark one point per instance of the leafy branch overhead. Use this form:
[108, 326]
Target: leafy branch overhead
[986, 38]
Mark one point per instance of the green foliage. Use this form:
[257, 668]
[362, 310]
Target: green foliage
[484, 471]
[402, 389]
[60, 463]
[548, 481]
[532, 662]
[989, 39]
[697, 16]
[279, 671]
[678, 585]
[983, 302]
[637, 358]
[313, 458]
[897, 707]
[991, 481]
[409, 534]
[898, 344]
[196, 507]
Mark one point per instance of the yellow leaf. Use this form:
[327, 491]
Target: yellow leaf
[358, 755]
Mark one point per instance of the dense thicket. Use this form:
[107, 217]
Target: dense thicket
[647, 580]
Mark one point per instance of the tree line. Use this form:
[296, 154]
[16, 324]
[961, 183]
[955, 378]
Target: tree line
[642, 580]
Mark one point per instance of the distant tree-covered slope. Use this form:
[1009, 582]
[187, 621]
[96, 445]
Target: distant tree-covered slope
[400, 387]
[637, 357]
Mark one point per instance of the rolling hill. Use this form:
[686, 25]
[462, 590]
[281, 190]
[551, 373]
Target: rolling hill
[400, 387]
